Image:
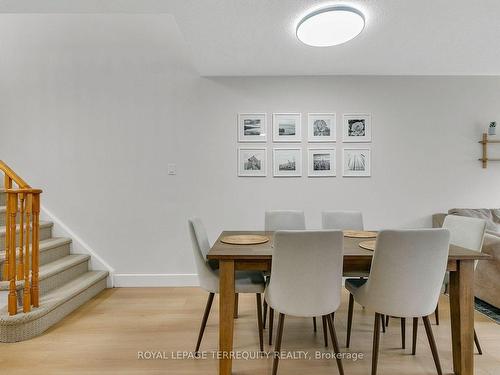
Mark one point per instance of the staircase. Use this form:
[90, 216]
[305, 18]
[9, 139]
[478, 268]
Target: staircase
[65, 283]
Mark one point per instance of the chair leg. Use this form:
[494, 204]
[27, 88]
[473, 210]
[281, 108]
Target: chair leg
[376, 343]
[314, 324]
[403, 333]
[236, 306]
[436, 314]
[271, 322]
[279, 336]
[387, 320]
[478, 346]
[265, 315]
[414, 341]
[432, 344]
[335, 342]
[204, 320]
[382, 319]
[325, 335]
[259, 321]
[349, 320]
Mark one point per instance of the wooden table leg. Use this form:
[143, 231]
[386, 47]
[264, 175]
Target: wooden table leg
[226, 315]
[462, 317]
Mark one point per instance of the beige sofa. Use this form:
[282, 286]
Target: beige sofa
[487, 275]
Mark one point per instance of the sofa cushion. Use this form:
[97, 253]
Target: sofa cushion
[492, 217]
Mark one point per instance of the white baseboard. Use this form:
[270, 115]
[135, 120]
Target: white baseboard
[79, 246]
[131, 280]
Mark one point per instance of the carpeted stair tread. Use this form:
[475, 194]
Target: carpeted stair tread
[62, 264]
[45, 233]
[44, 245]
[43, 224]
[54, 298]
[52, 268]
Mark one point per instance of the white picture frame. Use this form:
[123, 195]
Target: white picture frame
[356, 162]
[252, 127]
[252, 161]
[287, 162]
[321, 162]
[322, 127]
[287, 127]
[357, 127]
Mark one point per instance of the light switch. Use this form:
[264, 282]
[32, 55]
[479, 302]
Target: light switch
[171, 169]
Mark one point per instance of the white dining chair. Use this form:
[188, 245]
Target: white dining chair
[282, 220]
[306, 280]
[467, 232]
[406, 276]
[346, 220]
[286, 220]
[342, 220]
[245, 281]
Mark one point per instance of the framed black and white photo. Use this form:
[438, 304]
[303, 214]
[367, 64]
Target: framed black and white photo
[287, 127]
[356, 162]
[252, 161]
[252, 127]
[321, 127]
[321, 162]
[287, 162]
[357, 128]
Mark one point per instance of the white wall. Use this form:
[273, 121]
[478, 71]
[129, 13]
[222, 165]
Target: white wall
[93, 107]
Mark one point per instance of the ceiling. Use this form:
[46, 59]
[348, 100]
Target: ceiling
[257, 37]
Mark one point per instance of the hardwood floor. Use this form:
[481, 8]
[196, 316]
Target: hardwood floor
[105, 336]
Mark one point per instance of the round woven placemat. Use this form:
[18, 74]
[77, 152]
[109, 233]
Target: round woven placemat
[359, 234]
[368, 245]
[245, 239]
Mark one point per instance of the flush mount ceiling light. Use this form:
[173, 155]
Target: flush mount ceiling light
[330, 26]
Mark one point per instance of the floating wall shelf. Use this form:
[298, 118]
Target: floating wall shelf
[485, 142]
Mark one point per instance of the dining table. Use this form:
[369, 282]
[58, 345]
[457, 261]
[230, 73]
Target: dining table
[258, 257]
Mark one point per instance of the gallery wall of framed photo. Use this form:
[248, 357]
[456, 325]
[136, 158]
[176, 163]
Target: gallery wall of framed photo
[287, 144]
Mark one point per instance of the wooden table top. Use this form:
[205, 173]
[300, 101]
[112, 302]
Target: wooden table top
[264, 251]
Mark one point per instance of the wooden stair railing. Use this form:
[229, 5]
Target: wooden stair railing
[21, 254]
